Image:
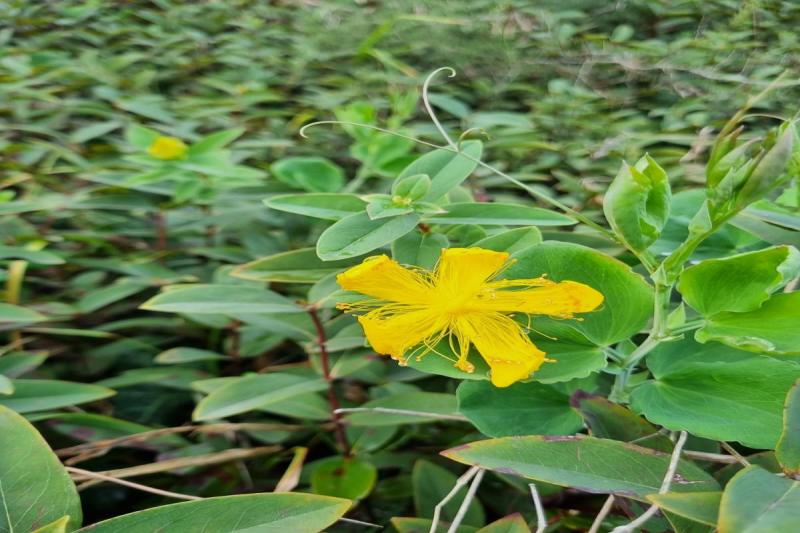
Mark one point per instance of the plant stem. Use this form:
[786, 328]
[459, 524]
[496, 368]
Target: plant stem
[361, 176]
[333, 401]
[14, 279]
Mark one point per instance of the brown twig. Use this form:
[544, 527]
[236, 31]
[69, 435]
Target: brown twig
[106, 444]
[160, 223]
[339, 429]
[234, 454]
[144, 488]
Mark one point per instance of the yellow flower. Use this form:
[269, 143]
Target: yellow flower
[167, 148]
[461, 300]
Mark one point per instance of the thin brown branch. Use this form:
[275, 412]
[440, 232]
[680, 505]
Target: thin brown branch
[144, 488]
[235, 454]
[105, 444]
[333, 401]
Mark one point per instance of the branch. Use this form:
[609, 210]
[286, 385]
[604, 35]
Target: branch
[541, 518]
[333, 401]
[601, 516]
[131, 484]
[406, 412]
[460, 482]
[473, 488]
[665, 484]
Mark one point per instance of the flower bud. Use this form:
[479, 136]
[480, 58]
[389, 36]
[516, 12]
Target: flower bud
[774, 168]
[411, 188]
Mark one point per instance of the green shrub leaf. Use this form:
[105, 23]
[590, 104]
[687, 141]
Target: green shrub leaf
[493, 214]
[702, 388]
[521, 409]
[34, 487]
[265, 513]
[585, 463]
[772, 328]
[756, 501]
[755, 275]
[357, 235]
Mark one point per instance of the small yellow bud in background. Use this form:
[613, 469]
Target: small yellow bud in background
[167, 148]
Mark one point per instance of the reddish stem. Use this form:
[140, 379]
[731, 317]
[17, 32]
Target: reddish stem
[161, 230]
[339, 430]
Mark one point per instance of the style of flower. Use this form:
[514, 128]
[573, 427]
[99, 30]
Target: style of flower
[410, 310]
[167, 148]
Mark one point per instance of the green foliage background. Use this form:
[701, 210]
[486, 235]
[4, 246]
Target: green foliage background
[560, 92]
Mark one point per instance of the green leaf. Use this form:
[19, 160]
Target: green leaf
[328, 206]
[628, 298]
[343, 477]
[585, 463]
[701, 389]
[295, 266]
[494, 214]
[314, 174]
[513, 523]
[6, 385]
[186, 354]
[92, 131]
[43, 394]
[109, 294]
[357, 235]
[701, 507]
[511, 241]
[222, 299]
[264, 513]
[14, 365]
[215, 141]
[57, 526]
[756, 501]
[521, 409]
[772, 328]
[637, 203]
[431, 483]
[39, 257]
[34, 487]
[419, 249]
[788, 449]
[253, 392]
[446, 169]
[755, 275]
[431, 403]
[14, 314]
[609, 420]
[140, 137]
[569, 361]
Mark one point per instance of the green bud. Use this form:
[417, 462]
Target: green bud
[722, 146]
[637, 203]
[773, 168]
[733, 159]
[411, 188]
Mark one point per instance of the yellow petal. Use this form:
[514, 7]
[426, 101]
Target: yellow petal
[560, 300]
[167, 148]
[462, 271]
[396, 334]
[506, 348]
[385, 279]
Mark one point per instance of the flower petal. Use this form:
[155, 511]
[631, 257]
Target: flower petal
[385, 279]
[501, 341]
[560, 300]
[395, 335]
[462, 271]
